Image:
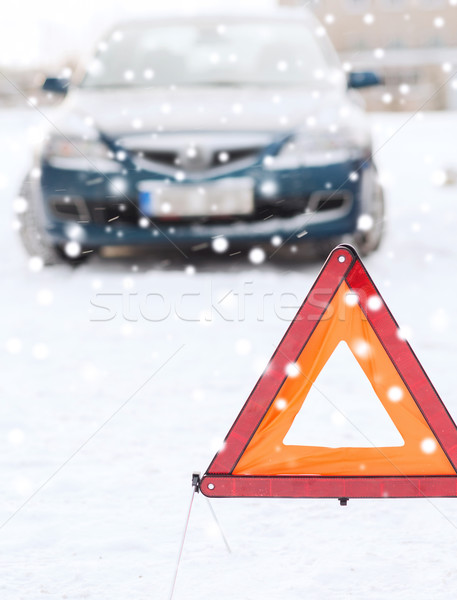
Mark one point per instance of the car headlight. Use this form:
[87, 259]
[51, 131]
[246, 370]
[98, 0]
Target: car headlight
[79, 154]
[319, 148]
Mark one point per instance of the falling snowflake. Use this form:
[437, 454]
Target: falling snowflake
[128, 283]
[395, 393]
[268, 188]
[374, 302]
[439, 22]
[439, 320]
[280, 403]
[220, 245]
[351, 298]
[45, 297]
[428, 445]
[257, 256]
[40, 351]
[198, 395]
[36, 263]
[16, 437]
[338, 419]
[311, 121]
[20, 205]
[243, 346]
[276, 240]
[216, 444]
[439, 177]
[22, 485]
[72, 249]
[223, 157]
[362, 348]
[404, 333]
[292, 370]
[126, 330]
[365, 223]
[13, 345]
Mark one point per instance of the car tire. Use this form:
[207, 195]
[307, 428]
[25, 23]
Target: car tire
[369, 241]
[32, 233]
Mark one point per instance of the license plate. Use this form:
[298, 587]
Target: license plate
[225, 197]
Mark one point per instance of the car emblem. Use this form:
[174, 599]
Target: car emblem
[194, 158]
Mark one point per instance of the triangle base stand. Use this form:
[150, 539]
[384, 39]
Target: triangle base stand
[303, 486]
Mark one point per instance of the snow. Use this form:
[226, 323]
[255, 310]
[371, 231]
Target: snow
[121, 377]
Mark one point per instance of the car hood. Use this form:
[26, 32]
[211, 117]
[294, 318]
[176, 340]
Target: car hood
[122, 112]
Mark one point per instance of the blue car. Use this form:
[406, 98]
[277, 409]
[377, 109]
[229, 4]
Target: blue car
[218, 132]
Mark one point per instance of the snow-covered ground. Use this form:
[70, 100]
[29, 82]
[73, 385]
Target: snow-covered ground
[103, 421]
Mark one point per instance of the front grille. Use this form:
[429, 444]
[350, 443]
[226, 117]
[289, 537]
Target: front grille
[163, 158]
[227, 157]
[211, 159]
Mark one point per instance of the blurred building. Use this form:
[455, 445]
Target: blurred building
[411, 43]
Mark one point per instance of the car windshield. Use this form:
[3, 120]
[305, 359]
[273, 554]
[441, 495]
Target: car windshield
[193, 54]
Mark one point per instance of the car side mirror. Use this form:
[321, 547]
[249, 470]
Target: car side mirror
[362, 79]
[56, 85]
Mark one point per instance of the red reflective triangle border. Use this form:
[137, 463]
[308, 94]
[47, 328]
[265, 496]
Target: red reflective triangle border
[343, 264]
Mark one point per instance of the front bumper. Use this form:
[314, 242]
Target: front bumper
[307, 203]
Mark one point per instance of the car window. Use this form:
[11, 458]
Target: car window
[215, 54]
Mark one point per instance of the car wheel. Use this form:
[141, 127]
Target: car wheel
[370, 240]
[32, 233]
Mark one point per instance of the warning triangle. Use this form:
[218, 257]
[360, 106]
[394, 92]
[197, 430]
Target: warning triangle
[257, 458]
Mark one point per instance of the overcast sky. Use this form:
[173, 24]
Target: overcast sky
[46, 32]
